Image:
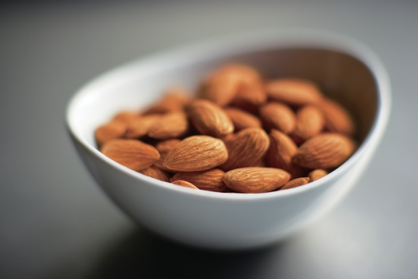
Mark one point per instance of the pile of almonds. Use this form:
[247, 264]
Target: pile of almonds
[241, 134]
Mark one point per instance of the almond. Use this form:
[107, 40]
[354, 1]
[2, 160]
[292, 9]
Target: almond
[174, 99]
[140, 127]
[327, 150]
[246, 148]
[196, 153]
[209, 118]
[245, 106]
[156, 173]
[133, 154]
[184, 184]
[225, 130]
[309, 122]
[210, 180]
[317, 174]
[246, 73]
[163, 148]
[337, 118]
[242, 119]
[294, 92]
[126, 116]
[280, 153]
[170, 125]
[295, 183]
[255, 179]
[278, 116]
[109, 131]
[251, 92]
[251, 88]
[220, 86]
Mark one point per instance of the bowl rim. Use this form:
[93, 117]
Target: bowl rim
[248, 41]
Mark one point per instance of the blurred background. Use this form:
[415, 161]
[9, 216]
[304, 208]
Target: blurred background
[56, 223]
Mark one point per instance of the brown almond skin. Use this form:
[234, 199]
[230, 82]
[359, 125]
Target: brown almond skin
[317, 174]
[280, 153]
[255, 179]
[126, 116]
[309, 122]
[294, 92]
[247, 74]
[251, 92]
[109, 131]
[156, 173]
[278, 116]
[171, 125]
[246, 148]
[196, 153]
[133, 154]
[233, 81]
[324, 151]
[259, 163]
[210, 180]
[245, 106]
[337, 118]
[164, 147]
[242, 119]
[140, 127]
[184, 184]
[209, 118]
[295, 183]
[175, 99]
[221, 85]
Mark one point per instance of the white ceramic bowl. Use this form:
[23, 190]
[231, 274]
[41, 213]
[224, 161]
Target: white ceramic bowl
[344, 68]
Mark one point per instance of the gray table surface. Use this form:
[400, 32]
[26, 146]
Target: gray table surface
[56, 223]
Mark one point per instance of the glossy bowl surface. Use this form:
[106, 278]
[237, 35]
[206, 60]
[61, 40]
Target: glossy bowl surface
[345, 70]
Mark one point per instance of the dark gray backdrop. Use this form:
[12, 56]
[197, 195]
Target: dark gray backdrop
[56, 223]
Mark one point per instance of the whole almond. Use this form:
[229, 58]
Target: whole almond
[196, 153]
[255, 179]
[327, 150]
[210, 180]
[133, 154]
[280, 153]
[184, 184]
[109, 131]
[174, 99]
[220, 86]
[156, 173]
[295, 92]
[337, 118]
[309, 122]
[295, 183]
[140, 127]
[317, 174]
[242, 119]
[246, 148]
[209, 118]
[171, 125]
[278, 116]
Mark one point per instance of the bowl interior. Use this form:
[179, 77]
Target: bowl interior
[341, 76]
